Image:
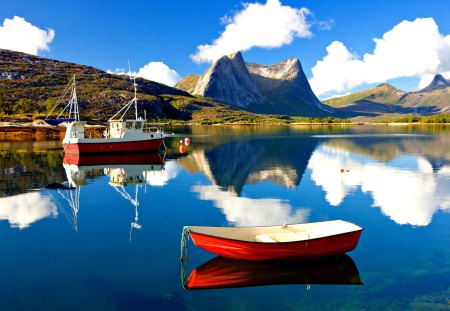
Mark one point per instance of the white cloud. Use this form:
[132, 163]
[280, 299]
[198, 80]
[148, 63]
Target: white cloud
[154, 71]
[24, 209]
[159, 72]
[410, 49]
[268, 25]
[251, 212]
[408, 195]
[19, 35]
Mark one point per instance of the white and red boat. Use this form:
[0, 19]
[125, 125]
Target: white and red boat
[287, 242]
[123, 135]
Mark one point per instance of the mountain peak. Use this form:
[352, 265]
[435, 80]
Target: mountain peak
[228, 80]
[286, 69]
[236, 56]
[281, 88]
[438, 82]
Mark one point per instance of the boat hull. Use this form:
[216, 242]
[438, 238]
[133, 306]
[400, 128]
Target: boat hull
[244, 250]
[85, 147]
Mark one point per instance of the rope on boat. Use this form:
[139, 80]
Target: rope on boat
[184, 250]
[184, 254]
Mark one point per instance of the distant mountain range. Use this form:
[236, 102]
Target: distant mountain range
[387, 99]
[279, 89]
[231, 90]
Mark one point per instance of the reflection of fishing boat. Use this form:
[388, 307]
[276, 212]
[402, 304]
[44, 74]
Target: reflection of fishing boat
[226, 273]
[287, 242]
[131, 158]
[123, 170]
[123, 135]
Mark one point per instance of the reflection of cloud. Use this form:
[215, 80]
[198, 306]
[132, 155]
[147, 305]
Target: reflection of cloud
[160, 178]
[409, 194]
[251, 212]
[24, 209]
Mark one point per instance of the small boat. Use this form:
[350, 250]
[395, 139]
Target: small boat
[222, 272]
[123, 135]
[286, 242]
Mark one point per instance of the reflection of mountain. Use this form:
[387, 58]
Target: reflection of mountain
[226, 273]
[407, 189]
[27, 166]
[234, 164]
[436, 150]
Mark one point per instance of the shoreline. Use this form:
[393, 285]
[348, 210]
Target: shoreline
[38, 130]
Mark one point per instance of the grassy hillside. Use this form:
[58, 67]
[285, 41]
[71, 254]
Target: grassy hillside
[383, 93]
[31, 85]
[386, 99]
[188, 83]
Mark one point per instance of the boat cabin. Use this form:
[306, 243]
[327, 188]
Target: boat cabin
[118, 127]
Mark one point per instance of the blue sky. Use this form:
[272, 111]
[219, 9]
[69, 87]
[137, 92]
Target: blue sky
[106, 34]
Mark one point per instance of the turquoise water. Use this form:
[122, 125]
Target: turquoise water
[105, 235]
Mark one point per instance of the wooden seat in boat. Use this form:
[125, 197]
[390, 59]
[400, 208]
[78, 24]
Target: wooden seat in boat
[282, 237]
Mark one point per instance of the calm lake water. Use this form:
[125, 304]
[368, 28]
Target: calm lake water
[105, 234]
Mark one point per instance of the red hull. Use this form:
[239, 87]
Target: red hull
[114, 147]
[133, 158]
[225, 273]
[313, 248]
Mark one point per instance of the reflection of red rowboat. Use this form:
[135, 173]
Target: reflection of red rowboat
[225, 273]
[112, 159]
[288, 242]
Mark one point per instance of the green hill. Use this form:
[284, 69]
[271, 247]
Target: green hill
[31, 85]
[386, 99]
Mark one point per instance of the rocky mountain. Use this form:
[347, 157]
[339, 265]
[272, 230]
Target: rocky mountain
[279, 89]
[30, 84]
[438, 83]
[228, 80]
[386, 99]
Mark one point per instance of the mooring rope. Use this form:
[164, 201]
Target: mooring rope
[184, 254]
[184, 250]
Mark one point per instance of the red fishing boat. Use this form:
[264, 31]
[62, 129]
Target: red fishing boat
[286, 242]
[227, 273]
[123, 135]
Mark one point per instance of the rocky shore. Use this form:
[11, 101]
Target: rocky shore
[38, 130]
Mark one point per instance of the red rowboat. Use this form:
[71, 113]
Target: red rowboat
[287, 242]
[226, 273]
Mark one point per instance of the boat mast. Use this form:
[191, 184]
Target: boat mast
[135, 87]
[135, 97]
[125, 108]
[74, 100]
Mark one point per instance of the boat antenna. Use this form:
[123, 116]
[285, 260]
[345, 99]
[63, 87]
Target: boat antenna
[135, 87]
